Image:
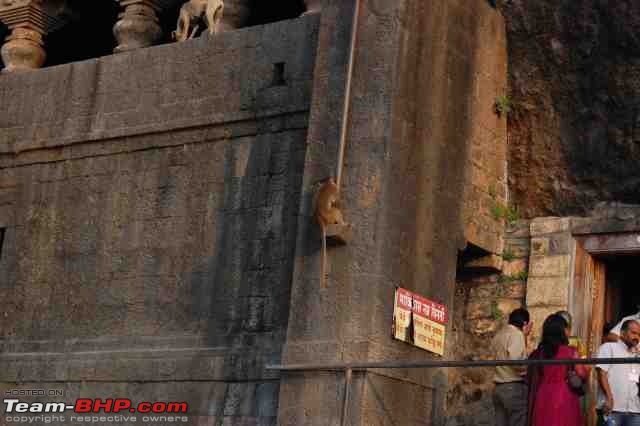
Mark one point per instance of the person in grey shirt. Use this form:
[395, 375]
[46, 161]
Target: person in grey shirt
[618, 391]
[510, 393]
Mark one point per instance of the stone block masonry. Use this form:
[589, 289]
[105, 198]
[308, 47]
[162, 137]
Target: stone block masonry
[161, 203]
[411, 133]
[482, 304]
[550, 270]
[202, 82]
[486, 205]
[150, 201]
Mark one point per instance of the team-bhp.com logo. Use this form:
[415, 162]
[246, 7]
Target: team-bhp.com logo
[84, 405]
[85, 409]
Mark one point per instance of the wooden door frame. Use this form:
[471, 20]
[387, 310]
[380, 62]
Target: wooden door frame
[588, 288]
[588, 268]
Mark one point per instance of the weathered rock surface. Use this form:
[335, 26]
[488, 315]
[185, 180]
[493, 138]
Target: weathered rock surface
[574, 77]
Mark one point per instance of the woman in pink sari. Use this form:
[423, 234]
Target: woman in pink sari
[551, 400]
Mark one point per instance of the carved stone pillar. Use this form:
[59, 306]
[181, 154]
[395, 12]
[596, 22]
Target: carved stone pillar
[23, 50]
[138, 24]
[29, 21]
[235, 15]
[313, 6]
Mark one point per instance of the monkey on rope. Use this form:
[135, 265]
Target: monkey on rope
[327, 213]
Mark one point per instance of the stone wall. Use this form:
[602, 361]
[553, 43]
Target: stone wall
[485, 199]
[550, 271]
[150, 203]
[403, 189]
[158, 207]
[481, 307]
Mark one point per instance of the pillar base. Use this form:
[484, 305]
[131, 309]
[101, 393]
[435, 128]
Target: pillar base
[28, 22]
[23, 50]
[137, 27]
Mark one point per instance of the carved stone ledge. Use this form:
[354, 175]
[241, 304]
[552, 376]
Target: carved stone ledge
[29, 21]
[490, 262]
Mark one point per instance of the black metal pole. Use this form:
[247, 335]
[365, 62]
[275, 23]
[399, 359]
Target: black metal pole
[448, 364]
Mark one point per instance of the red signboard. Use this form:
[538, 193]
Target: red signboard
[419, 321]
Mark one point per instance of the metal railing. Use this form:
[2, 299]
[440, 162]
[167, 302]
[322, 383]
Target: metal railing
[349, 367]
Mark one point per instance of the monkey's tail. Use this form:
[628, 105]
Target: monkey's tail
[323, 261]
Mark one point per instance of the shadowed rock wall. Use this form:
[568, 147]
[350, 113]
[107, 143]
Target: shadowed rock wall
[149, 202]
[574, 73]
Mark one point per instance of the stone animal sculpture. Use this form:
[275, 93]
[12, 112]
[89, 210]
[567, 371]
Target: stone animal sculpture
[195, 13]
[327, 213]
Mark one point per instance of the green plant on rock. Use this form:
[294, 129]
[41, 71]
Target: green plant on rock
[509, 213]
[503, 105]
[500, 291]
[497, 211]
[492, 191]
[520, 276]
[508, 256]
[512, 214]
[496, 313]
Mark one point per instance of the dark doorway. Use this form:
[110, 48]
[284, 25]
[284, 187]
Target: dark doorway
[622, 291]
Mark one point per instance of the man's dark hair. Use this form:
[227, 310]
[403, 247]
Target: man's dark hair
[626, 324]
[519, 317]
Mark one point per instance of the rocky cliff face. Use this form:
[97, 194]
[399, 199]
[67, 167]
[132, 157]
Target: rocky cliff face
[574, 83]
[574, 142]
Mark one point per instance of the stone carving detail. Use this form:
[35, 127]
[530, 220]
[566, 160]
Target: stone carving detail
[13, 3]
[216, 15]
[313, 6]
[29, 21]
[23, 50]
[137, 27]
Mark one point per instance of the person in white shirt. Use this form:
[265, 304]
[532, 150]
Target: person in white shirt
[614, 333]
[618, 391]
